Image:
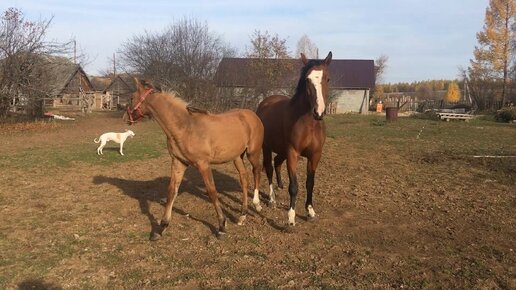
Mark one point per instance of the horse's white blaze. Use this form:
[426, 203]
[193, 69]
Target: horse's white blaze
[315, 77]
[292, 217]
[256, 200]
[311, 211]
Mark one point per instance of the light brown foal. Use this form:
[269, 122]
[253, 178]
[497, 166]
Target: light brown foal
[198, 138]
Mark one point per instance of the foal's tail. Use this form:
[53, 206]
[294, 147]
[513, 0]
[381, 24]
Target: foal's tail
[96, 141]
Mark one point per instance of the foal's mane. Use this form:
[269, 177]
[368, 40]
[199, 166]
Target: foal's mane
[182, 104]
[301, 84]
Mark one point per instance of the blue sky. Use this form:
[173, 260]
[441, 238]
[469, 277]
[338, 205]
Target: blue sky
[424, 39]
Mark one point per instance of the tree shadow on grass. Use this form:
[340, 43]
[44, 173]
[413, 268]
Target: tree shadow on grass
[192, 183]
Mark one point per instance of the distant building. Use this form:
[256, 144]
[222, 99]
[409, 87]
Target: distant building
[350, 81]
[113, 92]
[69, 86]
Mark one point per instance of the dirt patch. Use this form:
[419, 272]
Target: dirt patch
[385, 219]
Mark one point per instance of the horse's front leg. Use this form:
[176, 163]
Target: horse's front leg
[176, 176]
[292, 160]
[311, 166]
[207, 176]
[269, 170]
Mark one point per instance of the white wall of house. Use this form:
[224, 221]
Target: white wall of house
[352, 101]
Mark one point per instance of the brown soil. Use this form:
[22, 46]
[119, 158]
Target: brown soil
[383, 221]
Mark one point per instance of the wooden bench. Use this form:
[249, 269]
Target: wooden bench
[456, 116]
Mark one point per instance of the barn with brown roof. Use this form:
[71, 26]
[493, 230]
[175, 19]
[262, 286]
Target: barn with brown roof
[351, 80]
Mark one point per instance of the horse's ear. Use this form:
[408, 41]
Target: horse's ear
[139, 86]
[143, 85]
[327, 60]
[303, 58]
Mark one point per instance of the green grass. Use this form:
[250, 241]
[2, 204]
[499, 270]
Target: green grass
[406, 135]
[149, 145]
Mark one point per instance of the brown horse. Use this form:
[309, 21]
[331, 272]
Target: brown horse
[294, 127]
[198, 138]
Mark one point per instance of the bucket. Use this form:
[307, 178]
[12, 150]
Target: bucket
[391, 114]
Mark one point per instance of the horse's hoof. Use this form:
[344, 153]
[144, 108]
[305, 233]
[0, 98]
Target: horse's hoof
[221, 235]
[241, 220]
[258, 207]
[272, 203]
[154, 236]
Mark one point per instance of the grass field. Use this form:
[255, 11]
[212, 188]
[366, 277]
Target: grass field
[400, 205]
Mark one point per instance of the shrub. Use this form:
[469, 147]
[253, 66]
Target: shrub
[506, 114]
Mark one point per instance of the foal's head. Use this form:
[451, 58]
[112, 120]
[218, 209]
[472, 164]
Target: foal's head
[314, 84]
[137, 109]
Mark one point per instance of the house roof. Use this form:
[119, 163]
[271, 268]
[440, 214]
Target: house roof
[122, 82]
[344, 73]
[62, 71]
[100, 83]
[55, 72]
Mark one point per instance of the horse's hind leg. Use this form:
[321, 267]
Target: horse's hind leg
[267, 164]
[254, 159]
[207, 177]
[176, 176]
[278, 161]
[239, 164]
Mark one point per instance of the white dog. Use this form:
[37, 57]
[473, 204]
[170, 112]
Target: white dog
[112, 136]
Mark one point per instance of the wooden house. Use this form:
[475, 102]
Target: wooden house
[350, 82]
[70, 87]
[121, 88]
[112, 92]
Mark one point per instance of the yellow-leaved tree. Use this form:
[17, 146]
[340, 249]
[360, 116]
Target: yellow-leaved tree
[453, 93]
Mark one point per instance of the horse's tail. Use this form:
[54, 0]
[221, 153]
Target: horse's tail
[96, 141]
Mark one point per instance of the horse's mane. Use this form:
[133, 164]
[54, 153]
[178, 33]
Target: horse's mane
[175, 99]
[301, 84]
[179, 102]
[192, 110]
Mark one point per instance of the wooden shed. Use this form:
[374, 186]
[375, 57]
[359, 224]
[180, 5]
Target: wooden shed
[113, 91]
[70, 87]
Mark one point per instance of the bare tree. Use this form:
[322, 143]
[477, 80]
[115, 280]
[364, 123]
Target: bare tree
[184, 57]
[380, 66]
[306, 46]
[24, 66]
[269, 63]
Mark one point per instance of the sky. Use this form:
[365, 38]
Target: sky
[423, 39]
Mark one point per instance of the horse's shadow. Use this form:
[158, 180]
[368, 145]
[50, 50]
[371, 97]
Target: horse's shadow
[192, 183]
